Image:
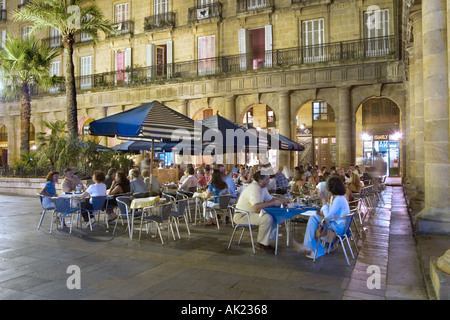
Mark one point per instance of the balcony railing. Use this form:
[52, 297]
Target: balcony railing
[163, 20]
[124, 27]
[213, 10]
[247, 5]
[353, 50]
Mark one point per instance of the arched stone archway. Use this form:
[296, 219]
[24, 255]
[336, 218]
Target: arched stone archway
[315, 128]
[204, 113]
[378, 132]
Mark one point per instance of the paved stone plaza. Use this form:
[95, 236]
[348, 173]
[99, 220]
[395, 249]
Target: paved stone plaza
[34, 263]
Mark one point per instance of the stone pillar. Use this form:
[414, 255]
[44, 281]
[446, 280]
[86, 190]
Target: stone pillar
[410, 131]
[283, 124]
[230, 108]
[435, 217]
[419, 165]
[230, 114]
[345, 127]
[13, 139]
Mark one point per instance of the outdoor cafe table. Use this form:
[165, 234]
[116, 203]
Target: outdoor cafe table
[199, 197]
[281, 215]
[140, 203]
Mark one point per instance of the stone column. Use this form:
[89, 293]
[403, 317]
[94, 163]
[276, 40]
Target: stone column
[230, 114]
[345, 149]
[230, 108]
[283, 124]
[13, 139]
[418, 121]
[409, 133]
[435, 217]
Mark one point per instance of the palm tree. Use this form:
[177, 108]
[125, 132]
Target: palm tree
[24, 62]
[69, 17]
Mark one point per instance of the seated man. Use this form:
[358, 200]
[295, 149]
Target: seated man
[253, 199]
[137, 184]
[282, 182]
[155, 185]
[71, 181]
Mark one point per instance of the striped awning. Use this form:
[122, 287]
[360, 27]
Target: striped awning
[146, 122]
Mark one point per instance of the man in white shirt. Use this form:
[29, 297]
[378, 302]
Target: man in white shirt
[253, 199]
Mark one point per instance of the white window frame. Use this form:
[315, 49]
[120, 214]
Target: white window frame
[161, 7]
[54, 70]
[26, 31]
[122, 75]
[376, 25]
[85, 72]
[55, 38]
[206, 51]
[84, 36]
[121, 12]
[313, 39]
[256, 4]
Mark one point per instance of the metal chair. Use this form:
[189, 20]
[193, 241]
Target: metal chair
[47, 204]
[63, 209]
[223, 205]
[163, 212]
[347, 234]
[191, 201]
[123, 204]
[98, 205]
[179, 212]
[248, 226]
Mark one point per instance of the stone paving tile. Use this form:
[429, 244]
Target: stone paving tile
[33, 263]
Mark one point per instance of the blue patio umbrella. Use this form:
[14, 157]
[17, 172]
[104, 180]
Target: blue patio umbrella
[148, 122]
[284, 143]
[142, 145]
[234, 137]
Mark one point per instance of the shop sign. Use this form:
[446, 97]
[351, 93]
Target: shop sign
[381, 137]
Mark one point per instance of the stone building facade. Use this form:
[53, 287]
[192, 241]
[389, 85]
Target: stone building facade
[360, 76]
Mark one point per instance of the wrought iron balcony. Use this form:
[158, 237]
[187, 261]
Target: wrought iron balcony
[213, 10]
[248, 5]
[163, 20]
[124, 27]
[356, 51]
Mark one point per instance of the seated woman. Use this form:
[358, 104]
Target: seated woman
[217, 187]
[242, 178]
[202, 182]
[95, 190]
[355, 182]
[299, 181]
[120, 186]
[334, 212]
[49, 189]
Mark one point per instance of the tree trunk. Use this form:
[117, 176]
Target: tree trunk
[71, 90]
[25, 116]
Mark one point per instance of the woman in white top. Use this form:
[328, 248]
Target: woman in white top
[95, 190]
[334, 212]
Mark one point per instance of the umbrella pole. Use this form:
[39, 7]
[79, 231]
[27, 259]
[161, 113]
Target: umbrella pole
[151, 165]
